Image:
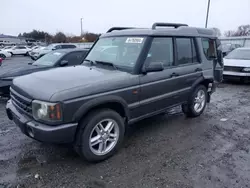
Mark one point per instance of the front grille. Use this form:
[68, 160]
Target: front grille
[233, 69]
[22, 103]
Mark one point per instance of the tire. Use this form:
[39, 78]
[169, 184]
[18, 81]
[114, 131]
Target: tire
[190, 109]
[87, 130]
[2, 56]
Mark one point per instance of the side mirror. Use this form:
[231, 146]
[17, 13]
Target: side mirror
[64, 63]
[154, 67]
[54, 48]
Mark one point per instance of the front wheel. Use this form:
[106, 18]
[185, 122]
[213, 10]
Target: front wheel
[197, 102]
[100, 135]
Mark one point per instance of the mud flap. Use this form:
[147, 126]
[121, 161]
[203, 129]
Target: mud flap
[218, 74]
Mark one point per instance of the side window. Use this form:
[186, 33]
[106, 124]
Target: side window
[21, 47]
[186, 52]
[58, 47]
[68, 46]
[209, 48]
[74, 58]
[161, 50]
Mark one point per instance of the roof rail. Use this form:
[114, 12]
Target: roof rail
[118, 29]
[175, 25]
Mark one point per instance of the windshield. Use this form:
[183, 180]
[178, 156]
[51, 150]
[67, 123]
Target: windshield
[121, 51]
[49, 59]
[239, 54]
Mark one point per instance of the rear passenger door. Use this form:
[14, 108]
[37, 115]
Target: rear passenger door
[187, 66]
[163, 89]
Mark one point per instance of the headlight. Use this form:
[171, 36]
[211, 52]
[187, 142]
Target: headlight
[246, 69]
[50, 112]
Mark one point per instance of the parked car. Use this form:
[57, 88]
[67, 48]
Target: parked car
[60, 58]
[90, 105]
[19, 50]
[237, 64]
[227, 48]
[4, 54]
[55, 46]
[35, 53]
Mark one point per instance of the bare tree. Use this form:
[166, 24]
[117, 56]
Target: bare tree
[60, 37]
[243, 30]
[229, 33]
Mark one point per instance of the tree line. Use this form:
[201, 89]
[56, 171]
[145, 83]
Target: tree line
[59, 37]
[242, 30]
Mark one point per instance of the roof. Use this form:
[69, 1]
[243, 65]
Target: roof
[169, 29]
[234, 38]
[244, 48]
[71, 50]
[7, 36]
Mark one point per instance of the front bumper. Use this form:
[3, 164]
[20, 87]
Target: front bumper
[64, 133]
[240, 74]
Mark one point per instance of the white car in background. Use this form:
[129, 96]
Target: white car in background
[19, 50]
[4, 54]
[237, 64]
[35, 53]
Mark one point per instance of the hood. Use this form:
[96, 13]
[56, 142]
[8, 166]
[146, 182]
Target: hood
[236, 62]
[64, 83]
[19, 70]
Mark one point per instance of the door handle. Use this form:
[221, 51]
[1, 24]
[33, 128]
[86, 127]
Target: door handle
[198, 70]
[174, 75]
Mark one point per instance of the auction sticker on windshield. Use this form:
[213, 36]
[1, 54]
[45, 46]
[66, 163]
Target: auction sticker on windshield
[134, 40]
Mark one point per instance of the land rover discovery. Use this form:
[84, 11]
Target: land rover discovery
[128, 75]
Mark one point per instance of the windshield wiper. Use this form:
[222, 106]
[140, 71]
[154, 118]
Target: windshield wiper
[101, 62]
[107, 63]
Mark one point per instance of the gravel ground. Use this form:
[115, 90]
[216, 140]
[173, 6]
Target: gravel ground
[165, 151]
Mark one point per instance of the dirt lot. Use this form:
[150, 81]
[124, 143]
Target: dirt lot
[164, 151]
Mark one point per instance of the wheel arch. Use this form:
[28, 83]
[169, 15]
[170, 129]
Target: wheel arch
[115, 103]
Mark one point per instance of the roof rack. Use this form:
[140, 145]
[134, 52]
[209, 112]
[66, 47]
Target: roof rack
[175, 25]
[118, 29]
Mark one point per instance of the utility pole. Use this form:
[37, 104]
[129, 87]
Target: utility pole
[208, 6]
[81, 26]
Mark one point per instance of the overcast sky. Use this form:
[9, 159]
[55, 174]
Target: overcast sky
[64, 15]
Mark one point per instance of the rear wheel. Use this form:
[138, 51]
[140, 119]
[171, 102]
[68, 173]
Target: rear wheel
[100, 135]
[2, 56]
[197, 102]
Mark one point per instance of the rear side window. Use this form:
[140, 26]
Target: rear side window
[186, 51]
[161, 51]
[209, 48]
[68, 46]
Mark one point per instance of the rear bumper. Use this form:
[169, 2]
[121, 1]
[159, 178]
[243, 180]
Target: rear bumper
[64, 133]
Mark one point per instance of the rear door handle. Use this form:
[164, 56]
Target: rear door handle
[198, 70]
[174, 75]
